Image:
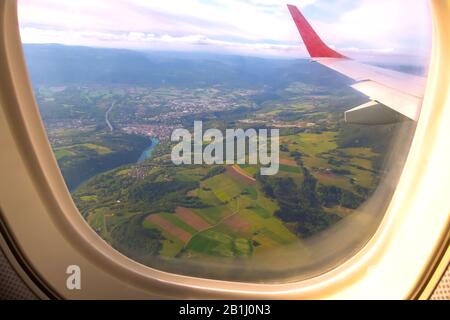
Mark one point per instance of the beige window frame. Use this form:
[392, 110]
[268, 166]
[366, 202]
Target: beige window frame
[402, 260]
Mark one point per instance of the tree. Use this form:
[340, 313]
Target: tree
[329, 196]
[350, 200]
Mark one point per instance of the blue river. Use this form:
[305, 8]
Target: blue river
[147, 153]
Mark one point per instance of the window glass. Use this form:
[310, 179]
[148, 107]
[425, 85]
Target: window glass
[197, 137]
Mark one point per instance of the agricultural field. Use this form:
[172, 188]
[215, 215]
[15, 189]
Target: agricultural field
[243, 220]
[346, 168]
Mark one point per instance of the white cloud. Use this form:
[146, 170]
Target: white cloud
[138, 40]
[396, 25]
[241, 26]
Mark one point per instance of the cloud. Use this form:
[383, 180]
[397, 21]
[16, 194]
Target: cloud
[139, 40]
[261, 27]
[401, 25]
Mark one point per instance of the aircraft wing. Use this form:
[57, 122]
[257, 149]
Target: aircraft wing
[395, 96]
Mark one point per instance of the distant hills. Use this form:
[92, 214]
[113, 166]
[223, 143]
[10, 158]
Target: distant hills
[61, 65]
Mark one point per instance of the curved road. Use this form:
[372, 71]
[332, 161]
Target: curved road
[107, 117]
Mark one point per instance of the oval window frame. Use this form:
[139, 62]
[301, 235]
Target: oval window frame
[35, 198]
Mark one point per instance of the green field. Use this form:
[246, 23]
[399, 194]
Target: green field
[242, 220]
[320, 150]
[63, 152]
[73, 150]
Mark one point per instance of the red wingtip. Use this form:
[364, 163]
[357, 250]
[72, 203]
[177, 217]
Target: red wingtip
[316, 47]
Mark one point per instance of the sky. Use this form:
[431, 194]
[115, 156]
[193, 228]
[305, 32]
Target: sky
[394, 28]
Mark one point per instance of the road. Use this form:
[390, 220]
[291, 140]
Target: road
[107, 117]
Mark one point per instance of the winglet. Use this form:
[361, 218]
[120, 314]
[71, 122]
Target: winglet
[316, 47]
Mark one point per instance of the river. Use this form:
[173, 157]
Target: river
[147, 153]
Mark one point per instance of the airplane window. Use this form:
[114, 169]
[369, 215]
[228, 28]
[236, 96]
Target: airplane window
[234, 140]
